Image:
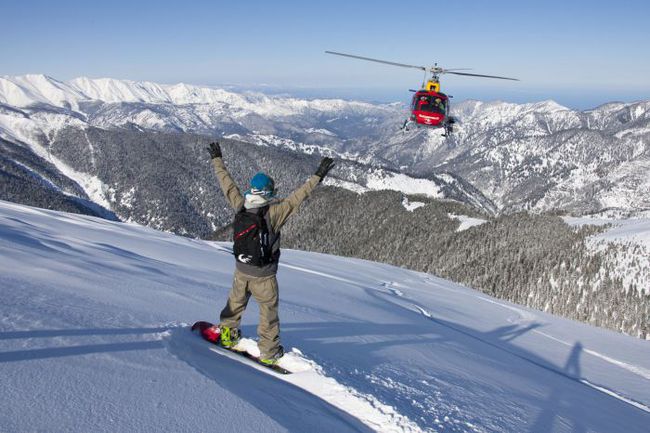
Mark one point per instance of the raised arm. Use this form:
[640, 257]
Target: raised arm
[228, 186]
[280, 213]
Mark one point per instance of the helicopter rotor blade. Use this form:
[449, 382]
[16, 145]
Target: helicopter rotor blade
[456, 69]
[447, 71]
[422, 68]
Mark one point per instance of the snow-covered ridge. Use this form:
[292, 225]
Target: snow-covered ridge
[29, 90]
[554, 116]
[542, 156]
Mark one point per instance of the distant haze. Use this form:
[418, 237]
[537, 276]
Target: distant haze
[576, 99]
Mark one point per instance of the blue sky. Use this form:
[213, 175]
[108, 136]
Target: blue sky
[580, 53]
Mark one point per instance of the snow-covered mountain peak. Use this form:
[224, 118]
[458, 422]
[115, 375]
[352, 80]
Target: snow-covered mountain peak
[112, 90]
[28, 90]
[608, 107]
[548, 106]
[506, 111]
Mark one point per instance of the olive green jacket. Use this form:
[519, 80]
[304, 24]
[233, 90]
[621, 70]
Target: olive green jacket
[278, 214]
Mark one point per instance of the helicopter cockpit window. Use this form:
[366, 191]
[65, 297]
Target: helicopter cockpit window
[430, 104]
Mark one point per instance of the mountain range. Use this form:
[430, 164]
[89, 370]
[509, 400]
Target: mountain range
[539, 156]
[143, 159]
[543, 156]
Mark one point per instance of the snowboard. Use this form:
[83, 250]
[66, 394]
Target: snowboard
[202, 328]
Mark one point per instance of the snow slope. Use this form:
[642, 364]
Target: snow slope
[635, 230]
[92, 338]
[631, 239]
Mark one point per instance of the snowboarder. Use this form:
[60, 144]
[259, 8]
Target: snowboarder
[256, 232]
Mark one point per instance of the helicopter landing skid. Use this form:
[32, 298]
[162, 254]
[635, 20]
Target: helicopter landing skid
[406, 124]
[448, 129]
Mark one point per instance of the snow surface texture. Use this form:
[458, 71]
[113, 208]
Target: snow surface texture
[93, 337]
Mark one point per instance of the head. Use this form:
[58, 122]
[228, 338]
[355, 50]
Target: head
[262, 185]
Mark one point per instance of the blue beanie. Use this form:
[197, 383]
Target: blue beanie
[261, 184]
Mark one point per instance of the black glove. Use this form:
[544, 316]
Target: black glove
[215, 150]
[325, 166]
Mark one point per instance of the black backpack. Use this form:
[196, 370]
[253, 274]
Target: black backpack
[252, 243]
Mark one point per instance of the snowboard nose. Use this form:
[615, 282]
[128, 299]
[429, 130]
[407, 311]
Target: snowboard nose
[208, 331]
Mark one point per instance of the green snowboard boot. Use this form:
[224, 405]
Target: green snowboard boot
[229, 337]
[272, 360]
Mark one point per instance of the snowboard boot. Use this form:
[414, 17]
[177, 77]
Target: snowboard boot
[229, 337]
[272, 360]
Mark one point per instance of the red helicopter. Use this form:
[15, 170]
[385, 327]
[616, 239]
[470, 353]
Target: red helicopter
[429, 106]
